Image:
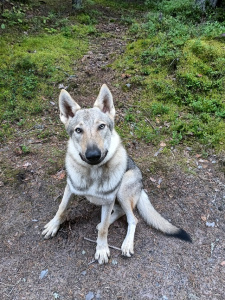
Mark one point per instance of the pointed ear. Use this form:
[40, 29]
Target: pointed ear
[105, 101]
[67, 106]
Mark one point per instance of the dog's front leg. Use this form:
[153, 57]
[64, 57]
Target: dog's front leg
[102, 250]
[52, 227]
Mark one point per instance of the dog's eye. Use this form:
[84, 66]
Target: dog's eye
[102, 126]
[78, 130]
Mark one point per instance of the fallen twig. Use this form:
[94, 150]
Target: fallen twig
[91, 262]
[92, 241]
[150, 123]
[56, 198]
[8, 295]
[7, 284]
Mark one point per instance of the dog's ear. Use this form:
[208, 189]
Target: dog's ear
[67, 106]
[105, 101]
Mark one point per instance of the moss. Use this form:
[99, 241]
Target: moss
[31, 66]
[182, 81]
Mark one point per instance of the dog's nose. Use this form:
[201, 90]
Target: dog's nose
[93, 154]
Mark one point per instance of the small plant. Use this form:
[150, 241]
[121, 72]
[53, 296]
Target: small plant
[176, 138]
[86, 19]
[25, 149]
[129, 117]
[159, 109]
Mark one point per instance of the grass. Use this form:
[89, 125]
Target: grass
[176, 67]
[35, 61]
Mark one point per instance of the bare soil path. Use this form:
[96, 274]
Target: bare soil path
[191, 194]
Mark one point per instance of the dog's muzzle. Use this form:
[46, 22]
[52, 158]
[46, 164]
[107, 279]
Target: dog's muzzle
[93, 156]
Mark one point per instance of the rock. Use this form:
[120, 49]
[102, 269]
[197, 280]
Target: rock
[114, 262]
[56, 295]
[208, 224]
[89, 296]
[43, 274]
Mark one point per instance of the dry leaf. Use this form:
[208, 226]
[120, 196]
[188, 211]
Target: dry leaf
[59, 175]
[26, 164]
[162, 144]
[125, 75]
[152, 179]
[203, 218]
[203, 161]
[85, 57]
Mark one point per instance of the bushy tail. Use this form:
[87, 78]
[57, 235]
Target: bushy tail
[153, 218]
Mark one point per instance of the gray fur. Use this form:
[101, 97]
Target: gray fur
[113, 175]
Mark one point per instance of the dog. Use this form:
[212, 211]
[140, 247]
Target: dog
[99, 168]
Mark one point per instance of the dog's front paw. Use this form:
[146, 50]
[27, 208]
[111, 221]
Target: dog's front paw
[102, 254]
[127, 248]
[51, 228]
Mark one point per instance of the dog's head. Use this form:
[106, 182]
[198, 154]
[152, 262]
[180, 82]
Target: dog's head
[89, 129]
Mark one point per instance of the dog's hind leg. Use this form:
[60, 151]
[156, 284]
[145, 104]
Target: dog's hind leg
[52, 227]
[102, 250]
[118, 212]
[128, 196]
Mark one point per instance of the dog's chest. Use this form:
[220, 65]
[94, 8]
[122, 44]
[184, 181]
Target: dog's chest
[98, 185]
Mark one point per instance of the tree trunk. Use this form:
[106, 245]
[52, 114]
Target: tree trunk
[76, 4]
[202, 3]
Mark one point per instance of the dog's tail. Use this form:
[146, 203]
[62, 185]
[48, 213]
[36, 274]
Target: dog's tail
[153, 218]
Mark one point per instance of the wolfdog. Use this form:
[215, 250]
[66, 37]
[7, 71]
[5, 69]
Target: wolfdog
[99, 168]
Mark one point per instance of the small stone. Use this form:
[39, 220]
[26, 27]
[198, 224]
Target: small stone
[84, 273]
[43, 274]
[83, 252]
[208, 224]
[89, 296]
[56, 295]
[114, 262]
[39, 126]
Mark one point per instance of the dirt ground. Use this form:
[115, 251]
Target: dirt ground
[186, 189]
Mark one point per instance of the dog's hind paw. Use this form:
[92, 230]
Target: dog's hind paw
[127, 248]
[51, 228]
[102, 254]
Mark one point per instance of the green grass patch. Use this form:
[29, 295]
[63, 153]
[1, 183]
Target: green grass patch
[34, 62]
[176, 64]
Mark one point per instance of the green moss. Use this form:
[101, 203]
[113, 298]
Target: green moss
[31, 67]
[178, 71]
